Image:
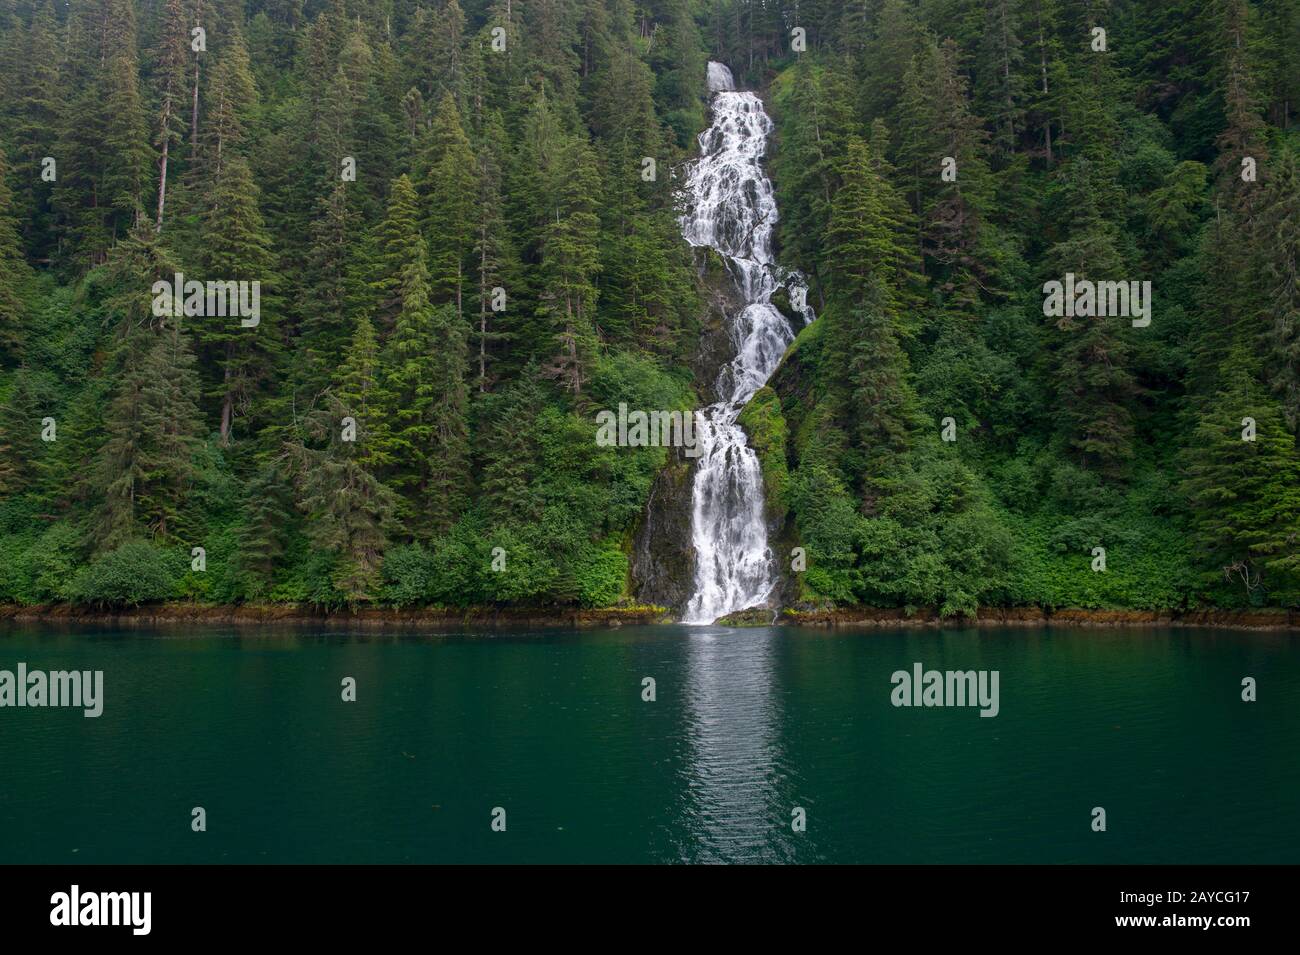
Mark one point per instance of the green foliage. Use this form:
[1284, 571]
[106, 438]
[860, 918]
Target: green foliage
[499, 271]
[40, 569]
[600, 574]
[1073, 435]
[766, 428]
[137, 572]
[408, 578]
[1246, 490]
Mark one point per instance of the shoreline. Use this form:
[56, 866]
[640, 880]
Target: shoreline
[490, 618]
[864, 617]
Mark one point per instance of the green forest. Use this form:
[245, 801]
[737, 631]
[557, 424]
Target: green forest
[462, 259]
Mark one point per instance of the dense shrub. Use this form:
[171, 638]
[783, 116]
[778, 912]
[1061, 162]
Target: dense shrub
[408, 573]
[135, 573]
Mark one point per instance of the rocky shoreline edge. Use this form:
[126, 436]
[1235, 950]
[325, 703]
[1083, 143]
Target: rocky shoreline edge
[551, 617]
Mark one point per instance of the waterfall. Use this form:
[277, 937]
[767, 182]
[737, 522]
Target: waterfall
[730, 207]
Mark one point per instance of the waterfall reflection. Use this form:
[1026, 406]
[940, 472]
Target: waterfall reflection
[735, 803]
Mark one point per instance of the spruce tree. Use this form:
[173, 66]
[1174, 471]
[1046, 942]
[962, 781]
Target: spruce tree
[361, 395]
[1001, 61]
[943, 150]
[329, 292]
[450, 192]
[261, 535]
[871, 271]
[145, 466]
[236, 248]
[172, 60]
[349, 512]
[103, 150]
[447, 490]
[1245, 494]
[232, 96]
[869, 236]
[509, 450]
[13, 272]
[1276, 237]
[1091, 356]
[570, 262]
[38, 115]
[410, 385]
[396, 245]
[493, 255]
[126, 142]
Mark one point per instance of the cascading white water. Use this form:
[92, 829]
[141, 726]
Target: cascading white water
[731, 208]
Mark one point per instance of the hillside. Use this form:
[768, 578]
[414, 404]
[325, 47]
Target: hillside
[463, 225]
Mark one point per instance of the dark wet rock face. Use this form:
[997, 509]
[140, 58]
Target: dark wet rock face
[663, 558]
[754, 617]
[715, 347]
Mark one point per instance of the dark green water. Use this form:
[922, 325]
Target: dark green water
[748, 724]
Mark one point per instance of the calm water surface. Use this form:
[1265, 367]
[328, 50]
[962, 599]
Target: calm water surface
[748, 724]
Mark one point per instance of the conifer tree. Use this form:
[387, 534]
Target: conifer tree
[346, 98]
[23, 461]
[125, 140]
[436, 55]
[508, 448]
[36, 119]
[882, 397]
[170, 426]
[103, 146]
[349, 512]
[451, 191]
[1090, 354]
[13, 272]
[200, 8]
[261, 536]
[1243, 135]
[236, 248]
[360, 393]
[1276, 235]
[1001, 72]
[410, 383]
[808, 161]
[396, 245]
[681, 80]
[145, 465]
[172, 55]
[1042, 111]
[1245, 493]
[868, 236]
[447, 491]
[233, 97]
[328, 287]
[942, 148]
[493, 253]
[570, 261]
[871, 271]
[887, 59]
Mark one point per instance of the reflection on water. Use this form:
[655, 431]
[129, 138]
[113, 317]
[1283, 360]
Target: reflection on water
[747, 725]
[733, 792]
